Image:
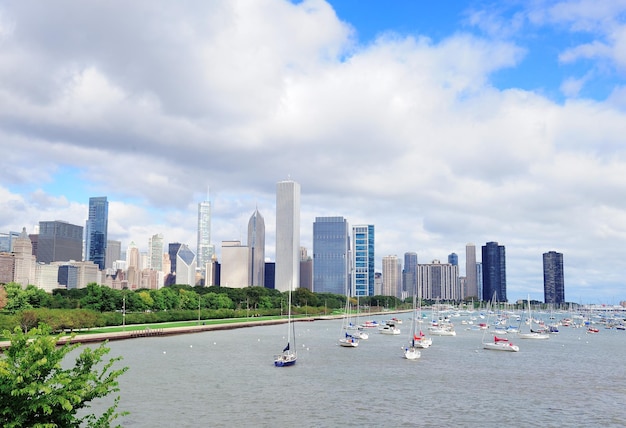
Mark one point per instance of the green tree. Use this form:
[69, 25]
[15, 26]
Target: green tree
[35, 391]
[17, 298]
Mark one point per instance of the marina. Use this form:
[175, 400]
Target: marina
[227, 378]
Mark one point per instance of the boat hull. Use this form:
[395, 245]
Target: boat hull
[412, 354]
[506, 347]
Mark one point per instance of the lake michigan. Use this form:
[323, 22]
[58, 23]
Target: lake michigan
[227, 379]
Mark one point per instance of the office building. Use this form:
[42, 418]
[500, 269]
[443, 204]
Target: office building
[185, 265]
[96, 231]
[234, 270]
[59, 241]
[553, 279]
[287, 235]
[438, 280]
[331, 255]
[471, 273]
[6, 241]
[256, 249]
[363, 275]
[24, 260]
[409, 273]
[113, 253]
[494, 272]
[155, 252]
[392, 281]
[205, 249]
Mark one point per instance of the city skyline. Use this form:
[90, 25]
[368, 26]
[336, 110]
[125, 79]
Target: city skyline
[441, 123]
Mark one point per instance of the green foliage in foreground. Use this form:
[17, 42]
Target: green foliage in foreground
[36, 391]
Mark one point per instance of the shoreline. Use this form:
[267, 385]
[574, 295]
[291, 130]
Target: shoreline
[147, 331]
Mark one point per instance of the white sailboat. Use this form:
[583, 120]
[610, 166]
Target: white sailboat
[499, 343]
[531, 334]
[289, 356]
[346, 337]
[411, 352]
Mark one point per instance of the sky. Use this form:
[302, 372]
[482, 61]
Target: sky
[441, 123]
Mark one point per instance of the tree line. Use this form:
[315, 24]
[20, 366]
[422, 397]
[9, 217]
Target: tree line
[98, 305]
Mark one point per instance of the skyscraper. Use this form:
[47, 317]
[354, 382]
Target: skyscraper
[96, 231]
[204, 248]
[24, 260]
[363, 260]
[113, 253]
[494, 272]
[553, 281]
[331, 258]
[391, 277]
[409, 274]
[185, 266]
[256, 249]
[287, 235]
[471, 275]
[59, 241]
[155, 252]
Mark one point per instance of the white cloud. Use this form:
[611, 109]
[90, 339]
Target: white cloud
[405, 133]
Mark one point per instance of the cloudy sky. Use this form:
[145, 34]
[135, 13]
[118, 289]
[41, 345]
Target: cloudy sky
[441, 125]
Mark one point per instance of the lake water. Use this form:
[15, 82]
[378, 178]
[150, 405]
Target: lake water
[227, 379]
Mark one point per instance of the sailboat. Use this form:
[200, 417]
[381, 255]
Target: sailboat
[499, 343]
[357, 329]
[411, 352]
[346, 338]
[289, 355]
[421, 341]
[531, 334]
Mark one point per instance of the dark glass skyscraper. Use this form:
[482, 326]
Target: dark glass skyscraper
[331, 246]
[409, 273]
[494, 272]
[553, 282]
[96, 231]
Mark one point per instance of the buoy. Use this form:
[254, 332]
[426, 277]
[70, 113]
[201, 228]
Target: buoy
[164, 352]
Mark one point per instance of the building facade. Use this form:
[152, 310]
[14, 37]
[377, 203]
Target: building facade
[471, 273]
[234, 271]
[256, 250]
[553, 278]
[494, 272]
[331, 255]
[438, 281]
[363, 267]
[287, 275]
[96, 231]
[409, 273]
[185, 266]
[205, 249]
[392, 281]
[59, 241]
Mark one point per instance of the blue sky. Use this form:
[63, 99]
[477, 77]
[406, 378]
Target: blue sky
[441, 123]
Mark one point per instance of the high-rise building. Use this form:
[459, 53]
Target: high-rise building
[155, 252]
[287, 235]
[471, 276]
[96, 231]
[331, 255]
[453, 259]
[204, 248]
[438, 280]
[391, 278]
[185, 266]
[59, 241]
[24, 260]
[113, 253]
[6, 241]
[494, 272]
[256, 249]
[409, 273]
[234, 270]
[553, 279]
[363, 275]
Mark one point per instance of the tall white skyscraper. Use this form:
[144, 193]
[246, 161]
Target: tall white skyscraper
[471, 276]
[256, 249]
[287, 235]
[204, 249]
